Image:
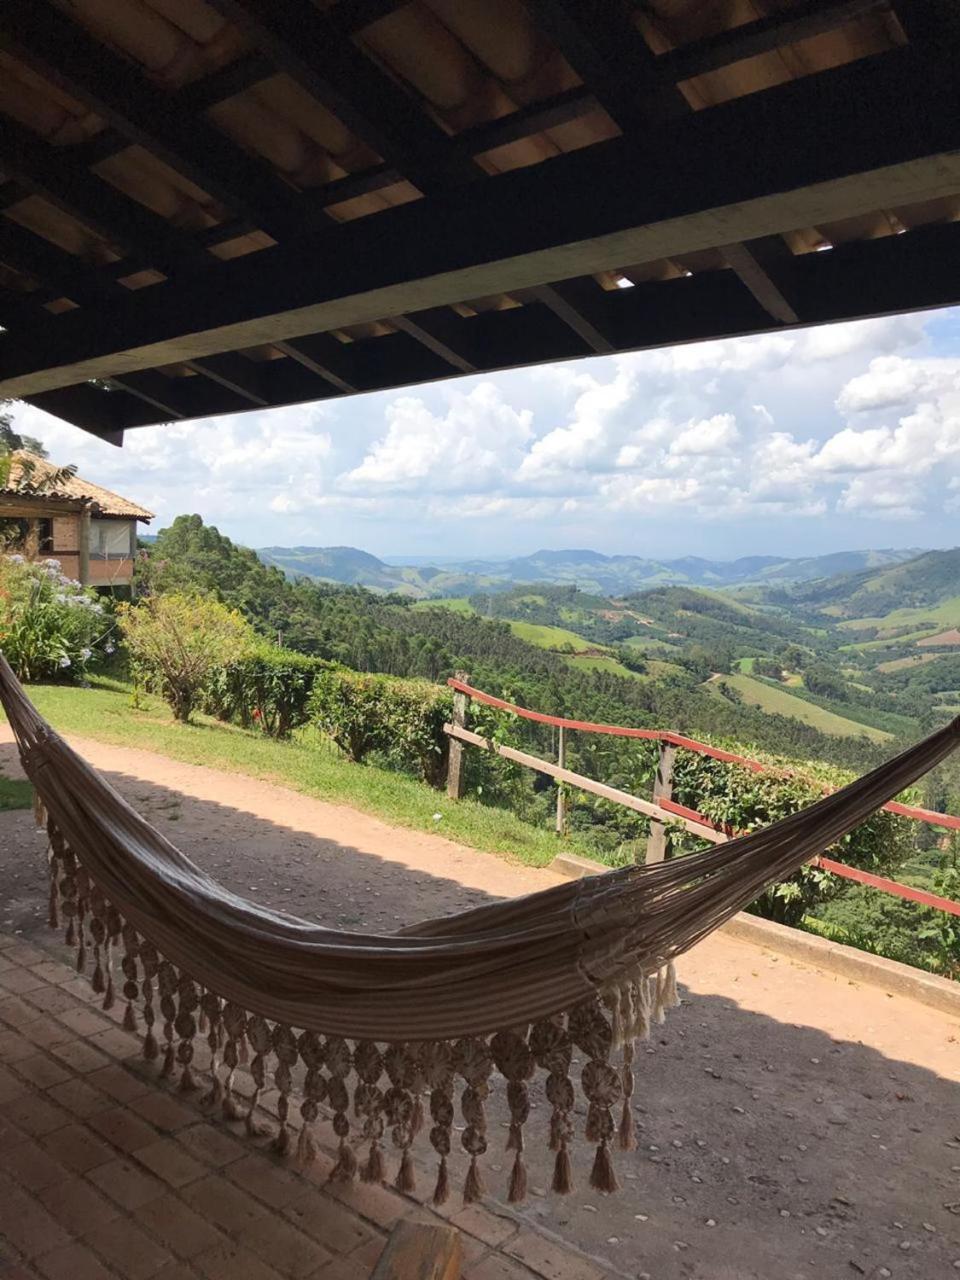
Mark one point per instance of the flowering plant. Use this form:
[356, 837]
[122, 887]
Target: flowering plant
[49, 624]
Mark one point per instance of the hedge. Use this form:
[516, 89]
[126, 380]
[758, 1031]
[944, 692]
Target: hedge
[401, 720]
[270, 689]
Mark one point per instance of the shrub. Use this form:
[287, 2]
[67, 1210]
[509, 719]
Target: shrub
[401, 719]
[177, 641]
[50, 626]
[269, 689]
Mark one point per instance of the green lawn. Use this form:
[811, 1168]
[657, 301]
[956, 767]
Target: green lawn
[781, 702]
[457, 604]
[544, 637]
[308, 763]
[15, 794]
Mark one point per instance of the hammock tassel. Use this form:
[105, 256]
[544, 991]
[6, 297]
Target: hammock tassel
[39, 810]
[626, 1131]
[441, 1192]
[96, 982]
[109, 998]
[345, 1170]
[562, 1173]
[602, 1176]
[406, 1179]
[473, 1188]
[306, 1146]
[129, 1018]
[518, 1181]
[373, 1170]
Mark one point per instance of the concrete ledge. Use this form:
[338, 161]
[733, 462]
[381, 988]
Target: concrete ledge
[847, 962]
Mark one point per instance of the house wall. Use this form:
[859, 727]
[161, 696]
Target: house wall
[110, 573]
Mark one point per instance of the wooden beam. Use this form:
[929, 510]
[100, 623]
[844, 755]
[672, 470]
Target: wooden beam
[236, 77]
[295, 350]
[787, 26]
[324, 60]
[65, 274]
[52, 173]
[559, 300]
[65, 54]
[747, 261]
[436, 345]
[548, 113]
[899, 143]
[236, 373]
[606, 49]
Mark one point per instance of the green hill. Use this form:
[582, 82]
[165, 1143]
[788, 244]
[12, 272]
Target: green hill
[780, 701]
[923, 583]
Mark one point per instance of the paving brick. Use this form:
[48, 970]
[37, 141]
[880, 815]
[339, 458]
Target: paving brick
[20, 981]
[53, 971]
[128, 1249]
[17, 1013]
[25, 1224]
[223, 1203]
[25, 953]
[231, 1262]
[283, 1246]
[76, 1206]
[551, 1260]
[11, 1086]
[163, 1111]
[183, 1232]
[42, 1071]
[344, 1269]
[80, 1056]
[127, 1184]
[81, 989]
[46, 1032]
[371, 1201]
[5, 964]
[83, 1021]
[496, 1267]
[168, 1160]
[14, 1047]
[49, 999]
[74, 1262]
[77, 1097]
[119, 1082]
[75, 1146]
[329, 1222]
[121, 1127]
[34, 1113]
[179, 1271]
[476, 1221]
[265, 1180]
[211, 1145]
[31, 1166]
[117, 1043]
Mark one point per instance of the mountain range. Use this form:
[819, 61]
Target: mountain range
[590, 570]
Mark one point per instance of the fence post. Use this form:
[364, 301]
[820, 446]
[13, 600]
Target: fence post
[662, 790]
[561, 793]
[455, 746]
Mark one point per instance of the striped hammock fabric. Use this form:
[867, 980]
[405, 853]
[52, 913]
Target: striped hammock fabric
[381, 1030]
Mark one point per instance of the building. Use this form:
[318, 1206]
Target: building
[91, 531]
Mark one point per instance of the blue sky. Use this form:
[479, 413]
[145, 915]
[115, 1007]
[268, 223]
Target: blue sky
[789, 443]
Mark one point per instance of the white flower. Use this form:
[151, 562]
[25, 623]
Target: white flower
[52, 564]
[85, 655]
[64, 661]
[437, 817]
[60, 597]
[97, 608]
[109, 647]
[15, 559]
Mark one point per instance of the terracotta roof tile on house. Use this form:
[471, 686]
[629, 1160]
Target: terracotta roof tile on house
[26, 466]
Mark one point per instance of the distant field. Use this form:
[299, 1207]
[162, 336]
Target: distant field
[901, 664]
[779, 702]
[746, 665]
[457, 604]
[651, 644]
[936, 617]
[557, 638]
[597, 662]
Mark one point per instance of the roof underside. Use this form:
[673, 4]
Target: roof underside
[208, 206]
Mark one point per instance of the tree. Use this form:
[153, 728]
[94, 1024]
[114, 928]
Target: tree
[178, 641]
[11, 440]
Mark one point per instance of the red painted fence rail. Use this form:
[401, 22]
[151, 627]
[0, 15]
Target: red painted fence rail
[894, 887]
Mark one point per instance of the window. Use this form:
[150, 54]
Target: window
[45, 536]
[111, 539]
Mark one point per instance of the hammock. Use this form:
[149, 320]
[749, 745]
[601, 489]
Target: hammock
[385, 1023]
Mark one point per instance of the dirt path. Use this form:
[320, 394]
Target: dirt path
[792, 1124]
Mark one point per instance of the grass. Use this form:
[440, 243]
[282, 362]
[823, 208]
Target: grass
[935, 617]
[778, 701]
[456, 604]
[556, 638]
[308, 764]
[599, 662]
[15, 794]
[914, 660]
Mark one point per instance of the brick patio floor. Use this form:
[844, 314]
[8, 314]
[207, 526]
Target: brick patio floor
[107, 1172]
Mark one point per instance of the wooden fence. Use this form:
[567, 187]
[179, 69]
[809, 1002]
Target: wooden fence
[661, 809]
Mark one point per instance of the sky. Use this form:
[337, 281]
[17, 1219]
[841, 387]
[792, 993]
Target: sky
[796, 443]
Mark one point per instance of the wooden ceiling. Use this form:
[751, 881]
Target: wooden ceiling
[208, 206]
